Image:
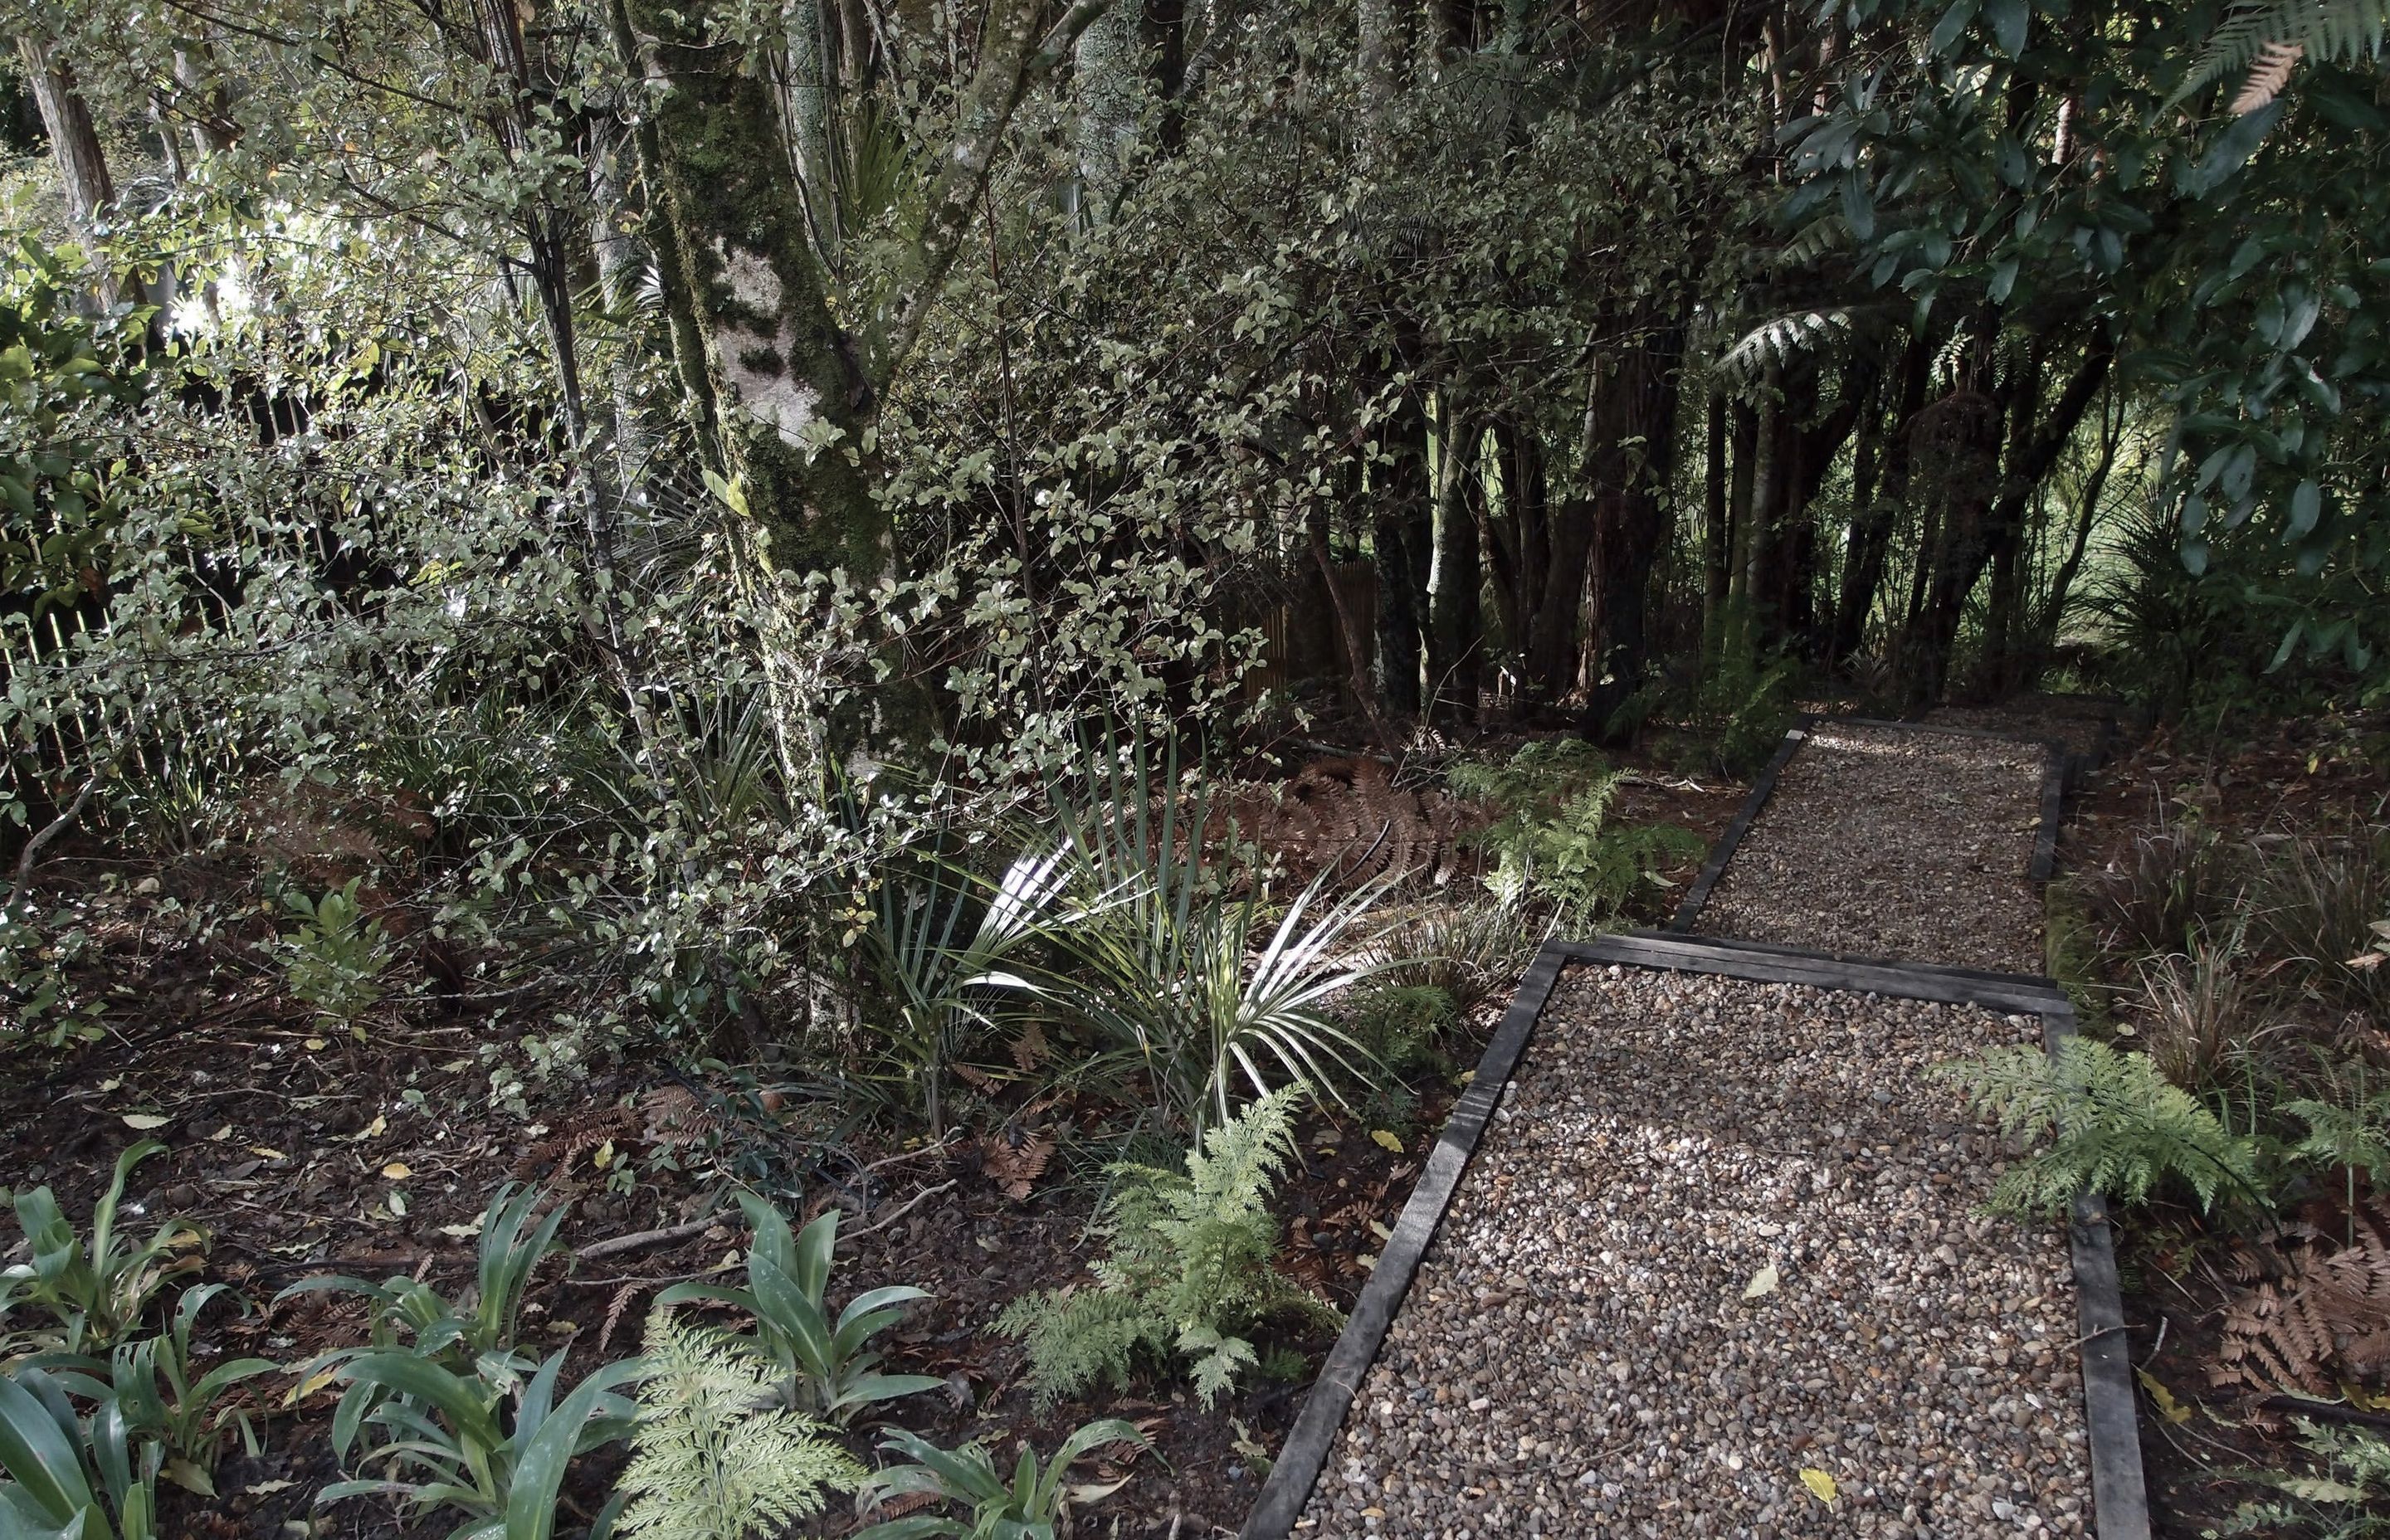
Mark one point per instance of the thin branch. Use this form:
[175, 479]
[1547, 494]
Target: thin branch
[50, 831]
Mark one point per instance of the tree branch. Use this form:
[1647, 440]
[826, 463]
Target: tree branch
[1007, 70]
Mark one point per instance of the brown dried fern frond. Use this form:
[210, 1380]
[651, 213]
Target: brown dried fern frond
[2324, 1316]
[2268, 76]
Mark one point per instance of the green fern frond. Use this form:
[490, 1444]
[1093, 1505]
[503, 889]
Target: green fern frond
[2332, 32]
[713, 1459]
[2116, 1127]
[1186, 1270]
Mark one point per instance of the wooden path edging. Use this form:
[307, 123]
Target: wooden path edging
[2119, 1498]
[2059, 770]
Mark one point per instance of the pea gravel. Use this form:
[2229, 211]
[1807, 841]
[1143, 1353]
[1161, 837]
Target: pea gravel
[1577, 1356]
[1894, 844]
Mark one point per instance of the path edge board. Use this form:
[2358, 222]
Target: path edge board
[2119, 1496]
[1723, 852]
[1312, 1439]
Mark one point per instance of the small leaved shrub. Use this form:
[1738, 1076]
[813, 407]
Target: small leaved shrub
[1186, 1271]
[335, 958]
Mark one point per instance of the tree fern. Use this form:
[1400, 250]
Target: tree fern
[706, 1463]
[1186, 1270]
[2268, 37]
[2117, 1128]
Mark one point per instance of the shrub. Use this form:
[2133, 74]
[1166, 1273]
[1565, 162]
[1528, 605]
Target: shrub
[826, 1368]
[1467, 950]
[2200, 1015]
[2348, 1499]
[485, 1443]
[2319, 905]
[153, 1392]
[2173, 885]
[1186, 1269]
[335, 959]
[96, 1289]
[1030, 1507]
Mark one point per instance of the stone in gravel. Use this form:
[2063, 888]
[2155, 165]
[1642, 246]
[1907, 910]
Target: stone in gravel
[1668, 1135]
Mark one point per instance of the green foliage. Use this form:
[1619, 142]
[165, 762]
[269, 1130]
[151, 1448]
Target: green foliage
[2353, 1134]
[1467, 950]
[1555, 841]
[1029, 1506]
[2173, 888]
[943, 944]
[2115, 1126]
[2346, 1498]
[1161, 945]
[1397, 1024]
[69, 1477]
[828, 1369]
[335, 959]
[154, 1390]
[96, 1288]
[460, 1335]
[1743, 703]
[713, 1459]
[37, 980]
[487, 1445]
[1186, 1268]
[2320, 906]
[2330, 32]
[2200, 1013]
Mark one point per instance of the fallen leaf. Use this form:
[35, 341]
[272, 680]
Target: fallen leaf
[144, 1121]
[1378, 1229]
[221, 1134]
[375, 1129]
[604, 1156]
[1762, 1283]
[316, 1044]
[111, 1083]
[265, 1489]
[1387, 1140]
[1822, 1486]
[1373, 1513]
[265, 1152]
[1015, 1159]
[397, 1203]
[461, 1232]
[398, 1171]
[2162, 1399]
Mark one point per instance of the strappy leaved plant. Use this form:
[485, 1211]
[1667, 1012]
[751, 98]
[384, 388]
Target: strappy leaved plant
[826, 1368]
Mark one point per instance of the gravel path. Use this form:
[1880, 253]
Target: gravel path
[2080, 724]
[1907, 846]
[1586, 1350]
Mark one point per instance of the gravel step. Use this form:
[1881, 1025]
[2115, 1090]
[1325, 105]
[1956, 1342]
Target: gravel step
[1717, 1268]
[1884, 841]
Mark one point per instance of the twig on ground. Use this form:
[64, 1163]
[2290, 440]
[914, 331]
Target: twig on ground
[910, 1205]
[642, 1240]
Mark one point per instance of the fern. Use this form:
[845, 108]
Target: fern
[2118, 1128]
[706, 1463]
[1186, 1270]
[2269, 37]
[1555, 840]
[2347, 1498]
[2354, 1137]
